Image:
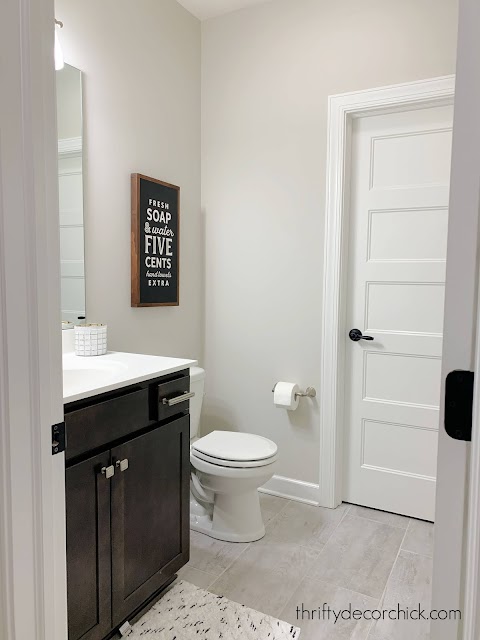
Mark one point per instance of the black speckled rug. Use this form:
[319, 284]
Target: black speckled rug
[186, 612]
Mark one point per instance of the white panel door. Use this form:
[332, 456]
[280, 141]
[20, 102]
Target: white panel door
[396, 283]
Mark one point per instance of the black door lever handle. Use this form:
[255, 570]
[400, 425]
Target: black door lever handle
[355, 335]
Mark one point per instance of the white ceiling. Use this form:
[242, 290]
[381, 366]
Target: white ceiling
[205, 9]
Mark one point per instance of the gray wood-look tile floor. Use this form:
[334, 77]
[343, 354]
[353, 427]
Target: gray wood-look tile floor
[348, 558]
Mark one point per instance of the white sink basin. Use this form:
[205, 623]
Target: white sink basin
[84, 377]
[90, 373]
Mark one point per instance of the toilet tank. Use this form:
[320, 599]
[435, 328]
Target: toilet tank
[197, 383]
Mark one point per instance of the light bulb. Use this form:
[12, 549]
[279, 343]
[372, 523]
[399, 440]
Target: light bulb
[59, 61]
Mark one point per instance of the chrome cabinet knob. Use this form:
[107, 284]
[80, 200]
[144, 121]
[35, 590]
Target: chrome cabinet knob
[122, 464]
[108, 472]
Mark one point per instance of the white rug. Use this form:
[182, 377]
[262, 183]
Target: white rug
[187, 612]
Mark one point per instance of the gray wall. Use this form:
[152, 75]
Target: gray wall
[266, 75]
[141, 65]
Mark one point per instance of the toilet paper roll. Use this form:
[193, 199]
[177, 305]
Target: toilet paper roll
[284, 395]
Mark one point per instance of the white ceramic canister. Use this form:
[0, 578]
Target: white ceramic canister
[90, 339]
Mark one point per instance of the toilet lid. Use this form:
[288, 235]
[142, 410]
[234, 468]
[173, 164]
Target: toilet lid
[237, 447]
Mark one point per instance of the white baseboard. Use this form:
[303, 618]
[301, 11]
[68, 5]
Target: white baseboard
[292, 489]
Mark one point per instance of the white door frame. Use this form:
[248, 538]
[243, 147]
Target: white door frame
[456, 566]
[32, 506]
[469, 570]
[342, 110]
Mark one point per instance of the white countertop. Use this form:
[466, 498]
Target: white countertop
[84, 377]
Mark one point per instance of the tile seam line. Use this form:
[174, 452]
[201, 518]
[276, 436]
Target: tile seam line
[320, 551]
[247, 547]
[381, 601]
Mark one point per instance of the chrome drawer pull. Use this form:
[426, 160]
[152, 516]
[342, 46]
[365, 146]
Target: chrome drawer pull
[183, 398]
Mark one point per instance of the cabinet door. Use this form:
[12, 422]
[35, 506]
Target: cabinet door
[88, 549]
[150, 514]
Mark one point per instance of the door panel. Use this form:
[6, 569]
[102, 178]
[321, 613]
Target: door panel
[88, 549]
[408, 234]
[150, 514]
[386, 306]
[407, 379]
[412, 156]
[398, 447]
[396, 277]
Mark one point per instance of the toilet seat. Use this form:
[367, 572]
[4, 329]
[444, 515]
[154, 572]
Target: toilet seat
[220, 462]
[232, 449]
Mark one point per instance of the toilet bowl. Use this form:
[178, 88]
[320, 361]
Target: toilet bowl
[227, 468]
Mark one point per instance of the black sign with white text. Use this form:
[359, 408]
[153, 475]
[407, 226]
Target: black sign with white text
[155, 242]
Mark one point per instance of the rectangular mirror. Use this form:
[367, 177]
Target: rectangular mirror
[70, 182]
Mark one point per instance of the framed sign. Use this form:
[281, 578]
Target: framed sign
[155, 242]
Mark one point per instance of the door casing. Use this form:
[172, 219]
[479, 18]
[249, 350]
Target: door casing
[33, 592]
[456, 560]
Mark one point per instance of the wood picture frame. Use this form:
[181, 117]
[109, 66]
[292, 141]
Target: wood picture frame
[155, 242]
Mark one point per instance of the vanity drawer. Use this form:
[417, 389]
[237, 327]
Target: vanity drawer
[171, 398]
[94, 426]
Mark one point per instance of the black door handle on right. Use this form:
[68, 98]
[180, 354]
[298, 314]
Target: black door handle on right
[355, 335]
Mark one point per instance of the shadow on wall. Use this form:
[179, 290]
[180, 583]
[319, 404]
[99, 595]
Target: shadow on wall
[216, 416]
[301, 417]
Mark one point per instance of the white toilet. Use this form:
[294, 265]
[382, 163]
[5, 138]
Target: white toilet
[227, 469]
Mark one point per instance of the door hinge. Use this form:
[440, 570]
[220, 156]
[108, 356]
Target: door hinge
[459, 404]
[58, 438]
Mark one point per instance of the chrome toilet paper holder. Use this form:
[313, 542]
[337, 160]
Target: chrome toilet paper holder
[310, 392]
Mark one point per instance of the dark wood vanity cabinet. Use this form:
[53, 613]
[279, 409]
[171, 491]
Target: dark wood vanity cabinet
[127, 506]
[150, 508]
[88, 549]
